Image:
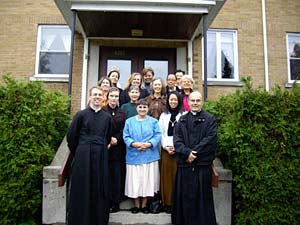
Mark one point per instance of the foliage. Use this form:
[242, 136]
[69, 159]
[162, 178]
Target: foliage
[33, 122]
[259, 140]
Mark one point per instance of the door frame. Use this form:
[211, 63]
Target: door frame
[138, 55]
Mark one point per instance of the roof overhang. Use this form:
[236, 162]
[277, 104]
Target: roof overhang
[148, 19]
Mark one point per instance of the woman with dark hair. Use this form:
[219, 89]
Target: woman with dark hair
[116, 151]
[148, 76]
[105, 84]
[135, 79]
[167, 121]
[142, 136]
[114, 76]
[171, 84]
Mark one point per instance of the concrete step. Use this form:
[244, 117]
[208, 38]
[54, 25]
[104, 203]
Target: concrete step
[127, 204]
[125, 217]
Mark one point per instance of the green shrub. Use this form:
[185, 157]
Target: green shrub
[259, 139]
[33, 122]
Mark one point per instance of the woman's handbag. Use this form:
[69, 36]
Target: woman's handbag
[155, 204]
[215, 176]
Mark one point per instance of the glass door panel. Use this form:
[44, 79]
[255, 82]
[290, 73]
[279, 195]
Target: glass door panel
[124, 67]
[160, 67]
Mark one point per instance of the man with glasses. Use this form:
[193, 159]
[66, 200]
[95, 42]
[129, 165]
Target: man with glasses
[171, 81]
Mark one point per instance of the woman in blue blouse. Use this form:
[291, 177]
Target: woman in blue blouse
[141, 135]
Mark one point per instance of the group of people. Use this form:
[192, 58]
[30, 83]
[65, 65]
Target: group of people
[135, 143]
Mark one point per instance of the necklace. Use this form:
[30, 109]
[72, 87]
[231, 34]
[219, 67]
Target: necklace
[173, 122]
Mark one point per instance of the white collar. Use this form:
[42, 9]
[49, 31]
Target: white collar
[96, 110]
[195, 113]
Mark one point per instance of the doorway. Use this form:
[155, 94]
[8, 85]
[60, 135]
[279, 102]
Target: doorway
[129, 60]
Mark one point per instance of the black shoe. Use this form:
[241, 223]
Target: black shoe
[114, 209]
[135, 210]
[168, 209]
[145, 210]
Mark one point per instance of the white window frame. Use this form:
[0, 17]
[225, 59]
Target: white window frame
[219, 58]
[47, 77]
[288, 56]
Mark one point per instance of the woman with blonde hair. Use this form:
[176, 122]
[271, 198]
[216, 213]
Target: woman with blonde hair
[135, 79]
[157, 100]
[187, 82]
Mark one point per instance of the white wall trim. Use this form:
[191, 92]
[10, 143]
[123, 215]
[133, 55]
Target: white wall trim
[93, 65]
[264, 22]
[190, 58]
[139, 8]
[138, 39]
[84, 73]
[50, 78]
[181, 2]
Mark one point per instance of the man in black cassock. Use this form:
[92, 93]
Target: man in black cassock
[88, 137]
[195, 141]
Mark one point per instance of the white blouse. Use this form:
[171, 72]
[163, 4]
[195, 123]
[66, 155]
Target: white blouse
[164, 124]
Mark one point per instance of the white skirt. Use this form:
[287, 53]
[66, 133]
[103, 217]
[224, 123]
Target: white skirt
[142, 180]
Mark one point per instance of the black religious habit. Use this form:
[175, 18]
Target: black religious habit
[116, 154]
[192, 194]
[88, 137]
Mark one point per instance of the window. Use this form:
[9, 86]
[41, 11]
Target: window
[293, 42]
[222, 55]
[53, 53]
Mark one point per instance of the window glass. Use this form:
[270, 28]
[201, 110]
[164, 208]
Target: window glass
[227, 55]
[54, 63]
[55, 38]
[211, 56]
[221, 55]
[53, 55]
[124, 67]
[160, 67]
[294, 56]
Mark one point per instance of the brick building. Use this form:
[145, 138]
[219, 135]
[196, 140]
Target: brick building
[260, 40]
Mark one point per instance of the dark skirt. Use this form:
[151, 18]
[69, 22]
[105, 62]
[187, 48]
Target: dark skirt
[193, 197]
[168, 172]
[117, 173]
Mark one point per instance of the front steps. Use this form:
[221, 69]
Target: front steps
[54, 198]
[126, 217]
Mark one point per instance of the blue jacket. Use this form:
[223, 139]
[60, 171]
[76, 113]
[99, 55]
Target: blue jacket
[146, 130]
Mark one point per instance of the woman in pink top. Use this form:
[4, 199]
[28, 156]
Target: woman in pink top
[186, 84]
